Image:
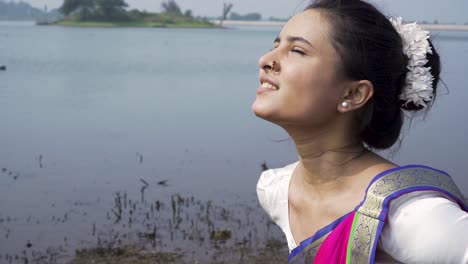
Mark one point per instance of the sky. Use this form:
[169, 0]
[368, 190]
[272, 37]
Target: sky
[447, 11]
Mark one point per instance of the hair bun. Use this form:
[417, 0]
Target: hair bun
[418, 86]
[433, 66]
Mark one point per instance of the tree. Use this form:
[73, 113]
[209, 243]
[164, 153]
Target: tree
[188, 13]
[226, 9]
[171, 7]
[247, 17]
[19, 11]
[95, 9]
[83, 7]
[111, 9]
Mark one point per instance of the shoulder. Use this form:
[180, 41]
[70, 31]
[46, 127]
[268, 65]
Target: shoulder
[398, 181]
[273, 177]
[426, 227]
[272, 188]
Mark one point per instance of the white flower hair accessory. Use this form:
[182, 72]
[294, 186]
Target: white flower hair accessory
[418, 85]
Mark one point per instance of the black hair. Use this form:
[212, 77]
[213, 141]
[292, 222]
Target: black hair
[371, 49]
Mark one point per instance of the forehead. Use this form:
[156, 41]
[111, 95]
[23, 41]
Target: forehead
[311, 25]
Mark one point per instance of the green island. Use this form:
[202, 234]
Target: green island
[113, 13]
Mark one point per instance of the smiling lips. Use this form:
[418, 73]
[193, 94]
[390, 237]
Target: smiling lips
[266, 87]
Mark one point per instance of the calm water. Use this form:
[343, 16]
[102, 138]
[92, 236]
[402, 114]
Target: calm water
[86, 113]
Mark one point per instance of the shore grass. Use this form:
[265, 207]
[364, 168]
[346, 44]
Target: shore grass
[177, 24]
[171, 229]
[271, 254]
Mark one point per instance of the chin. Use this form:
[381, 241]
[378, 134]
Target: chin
[259, 109]
[263, 111]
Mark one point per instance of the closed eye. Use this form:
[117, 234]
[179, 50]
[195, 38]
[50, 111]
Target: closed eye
[298, 51]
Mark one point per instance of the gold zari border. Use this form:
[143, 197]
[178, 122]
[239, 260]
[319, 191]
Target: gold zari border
[368, 222]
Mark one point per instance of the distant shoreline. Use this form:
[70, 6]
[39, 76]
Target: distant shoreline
[181, 24]
[439, 27]
[435, 27]
[234, 23]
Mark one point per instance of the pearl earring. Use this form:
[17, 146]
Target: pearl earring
[345, 104]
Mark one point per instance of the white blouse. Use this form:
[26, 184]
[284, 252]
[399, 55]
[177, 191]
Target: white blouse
[422, 227]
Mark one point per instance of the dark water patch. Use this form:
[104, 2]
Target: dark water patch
[9, 173]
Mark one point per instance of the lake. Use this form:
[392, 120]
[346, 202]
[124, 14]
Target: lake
[93, 118]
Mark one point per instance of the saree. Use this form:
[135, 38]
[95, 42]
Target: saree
[353, 237]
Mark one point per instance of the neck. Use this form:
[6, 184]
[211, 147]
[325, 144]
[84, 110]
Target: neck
[326, 157]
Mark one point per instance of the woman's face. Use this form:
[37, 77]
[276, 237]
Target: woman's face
[304, 86]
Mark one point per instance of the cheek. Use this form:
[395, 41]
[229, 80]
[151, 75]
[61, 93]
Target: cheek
[312, 94]
[306, 87]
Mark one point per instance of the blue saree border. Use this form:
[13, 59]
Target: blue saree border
[319, 234]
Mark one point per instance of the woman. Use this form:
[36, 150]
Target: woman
[338, 80]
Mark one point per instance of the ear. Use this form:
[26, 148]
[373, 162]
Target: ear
[356, 95]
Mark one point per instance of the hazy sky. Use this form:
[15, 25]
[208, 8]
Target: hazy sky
[449, 11]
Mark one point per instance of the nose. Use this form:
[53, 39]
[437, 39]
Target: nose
[262, 61]
[267, 62]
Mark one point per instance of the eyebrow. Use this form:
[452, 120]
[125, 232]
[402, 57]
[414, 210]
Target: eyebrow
[293, 39]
